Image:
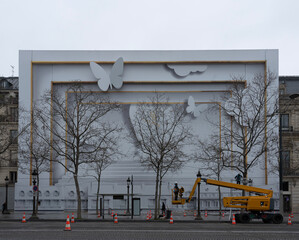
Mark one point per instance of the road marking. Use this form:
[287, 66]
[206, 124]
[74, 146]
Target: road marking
[149, 231]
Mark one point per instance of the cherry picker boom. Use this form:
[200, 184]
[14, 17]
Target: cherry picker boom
[257, 207]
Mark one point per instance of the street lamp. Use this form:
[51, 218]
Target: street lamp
[128, 194]
[132, 206]
[198, 197]
[5, 210]
[34, 177]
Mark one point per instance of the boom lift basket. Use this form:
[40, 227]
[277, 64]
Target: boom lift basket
[179, 201]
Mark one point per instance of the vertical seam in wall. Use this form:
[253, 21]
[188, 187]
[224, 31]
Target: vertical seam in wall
[266, 136]
[31, 117]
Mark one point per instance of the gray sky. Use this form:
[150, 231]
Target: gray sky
[149, 25]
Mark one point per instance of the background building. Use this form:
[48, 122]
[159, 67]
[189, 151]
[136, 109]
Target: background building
[289, 120]
[9, 91]
[204, 75]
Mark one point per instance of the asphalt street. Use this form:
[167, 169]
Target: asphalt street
[145, 230]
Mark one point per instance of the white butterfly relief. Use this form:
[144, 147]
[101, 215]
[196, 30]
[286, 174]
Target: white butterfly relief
[105, 80]
[192, 107]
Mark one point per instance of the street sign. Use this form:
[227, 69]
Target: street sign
[35, 188]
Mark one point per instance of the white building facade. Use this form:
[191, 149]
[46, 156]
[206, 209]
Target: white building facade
[204, 75]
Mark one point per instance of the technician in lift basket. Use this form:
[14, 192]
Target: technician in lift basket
[238, 178]
[176, 191]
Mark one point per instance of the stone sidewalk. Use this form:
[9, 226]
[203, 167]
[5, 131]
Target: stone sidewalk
[91, 216]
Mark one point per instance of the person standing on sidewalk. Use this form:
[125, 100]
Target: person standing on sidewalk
[4, 207]
[163, 208]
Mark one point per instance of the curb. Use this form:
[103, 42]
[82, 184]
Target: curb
[141, 221]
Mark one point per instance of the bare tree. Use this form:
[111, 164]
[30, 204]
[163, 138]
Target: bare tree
[38, 152]
[210, 155]
[77, 127]
[161, 133]
[248, 131]
[106, 155]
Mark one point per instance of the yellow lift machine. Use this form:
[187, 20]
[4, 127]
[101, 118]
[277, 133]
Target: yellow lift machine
[260, 206]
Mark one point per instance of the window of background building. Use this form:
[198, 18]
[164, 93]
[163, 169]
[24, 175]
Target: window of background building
[2, 98]
[14, 136]
[13, 177]
[4, 85]
[284, 121]
[14, 114]
[13, 158]
[285, 186]
[285, 162]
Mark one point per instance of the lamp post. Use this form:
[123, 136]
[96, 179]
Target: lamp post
[128, 194]
[5, 210]
[34, 176]
[132, 206]
[198, 197]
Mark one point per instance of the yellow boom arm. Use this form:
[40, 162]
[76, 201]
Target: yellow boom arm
[248, 202]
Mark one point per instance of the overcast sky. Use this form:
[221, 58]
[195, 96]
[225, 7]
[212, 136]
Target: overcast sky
[149, 25]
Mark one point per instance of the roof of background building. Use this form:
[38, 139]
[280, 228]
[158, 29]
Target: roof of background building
[13, 82]
[291, 84]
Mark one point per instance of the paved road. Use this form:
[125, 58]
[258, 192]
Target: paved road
[144, 230]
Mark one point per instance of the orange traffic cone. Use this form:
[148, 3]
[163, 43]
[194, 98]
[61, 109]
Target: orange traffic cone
[112, 214]
[115, 218]
[222, 214]
[73, 219]
[234, 220]
[24, 218]
[206, 213]
[99, 215]
[147, 216]
[150, 214]
[68, 224]
[292, 215]
[171, 219]
[184, 213]
[194, 213]
[289, 221]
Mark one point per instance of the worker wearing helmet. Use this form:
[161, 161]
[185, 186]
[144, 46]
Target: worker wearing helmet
[176, 191]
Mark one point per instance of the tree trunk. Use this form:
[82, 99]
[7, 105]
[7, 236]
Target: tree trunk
[37, 194]
[219, 199]
[78, 196]
[244, 178]
[159, 197]
[244, 173]
[245, 182]
[219, 191]
[98, 192]
[156, 194]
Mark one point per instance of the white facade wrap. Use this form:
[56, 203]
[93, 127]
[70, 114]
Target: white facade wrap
[204, 75]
